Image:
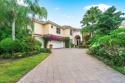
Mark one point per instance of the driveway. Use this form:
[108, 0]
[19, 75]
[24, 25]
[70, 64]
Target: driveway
[72, 66]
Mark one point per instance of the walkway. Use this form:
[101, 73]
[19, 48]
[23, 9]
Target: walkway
[72, 66]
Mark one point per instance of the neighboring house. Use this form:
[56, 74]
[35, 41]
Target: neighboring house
[51, 28]
[122, 25]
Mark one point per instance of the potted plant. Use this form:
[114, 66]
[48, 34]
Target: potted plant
[50, 46]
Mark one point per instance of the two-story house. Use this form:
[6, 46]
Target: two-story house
[51, 28]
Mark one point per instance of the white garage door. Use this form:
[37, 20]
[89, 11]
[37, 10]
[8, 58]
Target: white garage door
[57, 44]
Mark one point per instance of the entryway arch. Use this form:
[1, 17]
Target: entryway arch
[77, 40]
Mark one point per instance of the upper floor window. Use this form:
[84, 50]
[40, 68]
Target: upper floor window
[58, 30]
[71, 32]
[51, 26]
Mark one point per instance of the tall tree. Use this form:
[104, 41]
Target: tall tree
[90, 19]
[17, 15]
[109, 20]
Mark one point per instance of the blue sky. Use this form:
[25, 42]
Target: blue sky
[70, 12]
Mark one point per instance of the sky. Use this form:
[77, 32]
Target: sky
[70, 12]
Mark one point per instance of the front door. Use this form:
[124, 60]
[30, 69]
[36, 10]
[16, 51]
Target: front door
[77, 42]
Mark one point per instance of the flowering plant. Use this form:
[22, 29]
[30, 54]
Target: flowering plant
[53, 37]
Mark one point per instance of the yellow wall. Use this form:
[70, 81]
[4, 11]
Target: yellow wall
[38, 28]
[67, 33]
[46, 29]
[53, 30]
[41, 29]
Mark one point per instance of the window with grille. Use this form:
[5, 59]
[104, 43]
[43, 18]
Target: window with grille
[58, 30]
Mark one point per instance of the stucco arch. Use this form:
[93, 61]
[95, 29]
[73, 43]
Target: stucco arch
[77, 40]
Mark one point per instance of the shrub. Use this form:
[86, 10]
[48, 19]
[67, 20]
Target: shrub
[46, 50]
[111, 56]
[94, 39]
[24, 54]
[116, 37]
[86, 39]
[72, 45]
[67, 42]
[16, 55]
[31, 53]
[10, 46]
[93, 50]
[38, 43]
[37, 49]
[6, 55]
[83, 45]
[30, 44]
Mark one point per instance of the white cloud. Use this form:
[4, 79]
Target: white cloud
[57, 8]
[102, 7]
[21, 2]
[123, 15]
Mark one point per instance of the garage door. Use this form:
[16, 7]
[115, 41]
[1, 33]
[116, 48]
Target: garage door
[57, 44]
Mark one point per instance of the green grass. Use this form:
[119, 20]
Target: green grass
[13, 70]
[119, 69]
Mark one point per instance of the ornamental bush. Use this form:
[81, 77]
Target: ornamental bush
[8, 45]
[109, 48]
[24, 54]
[30, 44]
[46, 50]
[83, 45]
[116, 37]
[72, 45]
[6, 55]
[114, 56]
[15, 48]
[67, 42]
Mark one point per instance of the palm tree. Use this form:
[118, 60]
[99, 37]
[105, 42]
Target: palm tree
[90, 18]
[17, 15]
[37, 12]
[4, 17]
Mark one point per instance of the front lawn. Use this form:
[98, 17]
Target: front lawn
[13, 70]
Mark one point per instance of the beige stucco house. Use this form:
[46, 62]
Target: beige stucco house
[51, 28]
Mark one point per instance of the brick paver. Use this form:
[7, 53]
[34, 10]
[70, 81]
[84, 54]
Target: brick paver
[72, 66]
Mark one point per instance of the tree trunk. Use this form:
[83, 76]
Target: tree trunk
[13, 29]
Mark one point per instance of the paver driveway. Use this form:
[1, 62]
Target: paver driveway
[72, 66]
